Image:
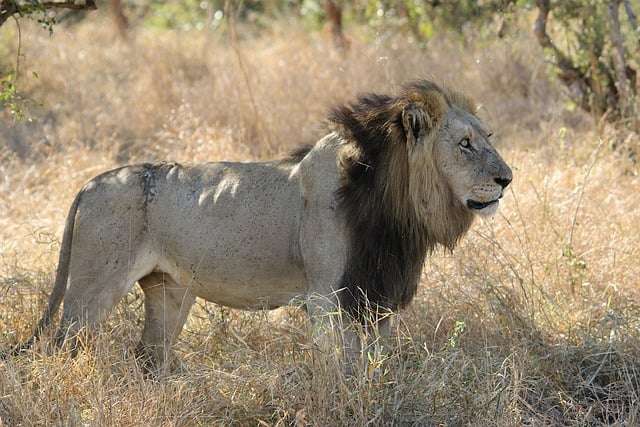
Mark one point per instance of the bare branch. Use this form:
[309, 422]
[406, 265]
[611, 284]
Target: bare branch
[569, 74]
[9, 8]
[631, 16]
[260, 125]
[540, 31]
[622, 84]
[89, 4]
[19, 50]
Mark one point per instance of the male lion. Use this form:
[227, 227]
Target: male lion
[350, 219]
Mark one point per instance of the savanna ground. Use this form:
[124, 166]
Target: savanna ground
[533, 319]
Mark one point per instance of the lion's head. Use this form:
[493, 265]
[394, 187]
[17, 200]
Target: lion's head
[416, 168]
[443, 133]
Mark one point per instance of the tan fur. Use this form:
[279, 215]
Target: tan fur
[258, 235]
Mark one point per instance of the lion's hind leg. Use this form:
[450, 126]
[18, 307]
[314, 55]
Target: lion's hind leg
[96, 284]
[167, 306]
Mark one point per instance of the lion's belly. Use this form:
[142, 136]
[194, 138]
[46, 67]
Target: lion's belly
[225, 263]
[230, 233]
[254, 285]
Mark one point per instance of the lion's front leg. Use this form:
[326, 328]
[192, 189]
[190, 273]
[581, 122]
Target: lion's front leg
[333, 331]
[323, 249]
[324, 241]
[361, 346]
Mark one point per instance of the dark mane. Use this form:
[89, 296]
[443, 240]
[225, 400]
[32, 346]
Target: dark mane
[388, 240]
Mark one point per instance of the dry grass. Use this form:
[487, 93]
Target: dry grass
[532, 320]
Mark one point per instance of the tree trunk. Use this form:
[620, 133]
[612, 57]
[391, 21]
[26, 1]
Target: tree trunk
[334, 15]
[625, 95]
[120, 18]
[573, 78]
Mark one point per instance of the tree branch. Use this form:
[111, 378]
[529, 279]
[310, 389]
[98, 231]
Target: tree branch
[631, 16]
[89, 4]
[540, 31]
[569, 74]
[622, 84]
[9, 8]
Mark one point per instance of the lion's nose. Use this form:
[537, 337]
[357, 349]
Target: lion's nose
[503, 181]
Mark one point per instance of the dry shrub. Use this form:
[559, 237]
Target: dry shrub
[532, 320]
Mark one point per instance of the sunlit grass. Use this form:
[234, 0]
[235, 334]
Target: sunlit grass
[532, 319]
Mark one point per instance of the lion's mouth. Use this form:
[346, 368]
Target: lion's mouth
[472, 204]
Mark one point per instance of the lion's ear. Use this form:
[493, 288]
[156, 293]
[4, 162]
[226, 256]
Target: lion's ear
[415, 122]
[422, 114]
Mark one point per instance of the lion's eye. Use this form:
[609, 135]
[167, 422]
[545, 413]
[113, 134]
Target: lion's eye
[465, 143]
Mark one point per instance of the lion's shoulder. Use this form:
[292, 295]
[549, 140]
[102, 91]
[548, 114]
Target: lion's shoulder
[318, 170]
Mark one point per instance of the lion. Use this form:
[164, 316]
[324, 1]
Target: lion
[350, 219]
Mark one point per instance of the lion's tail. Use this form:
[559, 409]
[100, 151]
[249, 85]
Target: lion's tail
[62, 274]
